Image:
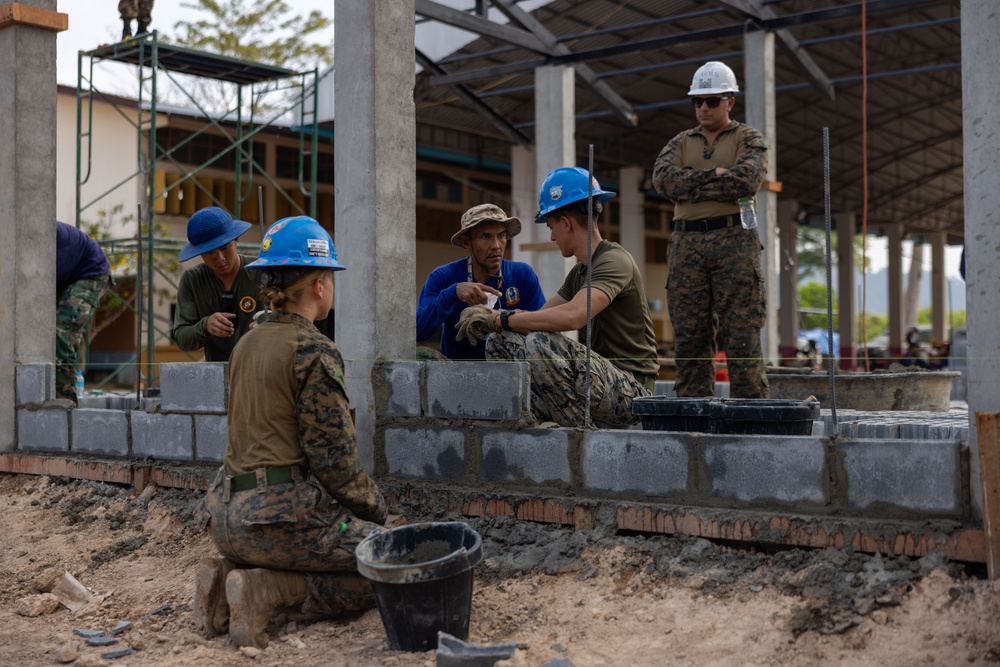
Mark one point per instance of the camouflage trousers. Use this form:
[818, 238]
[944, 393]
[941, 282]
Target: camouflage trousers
[135, 9]
[425, 353]
[295, 526]
[716, 296]
[558, 378]
[74, 306]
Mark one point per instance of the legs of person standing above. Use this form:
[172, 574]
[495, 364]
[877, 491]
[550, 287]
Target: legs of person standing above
[740, 303]
[74, 306]
[558, 378]
[715, 286]
[689, 303]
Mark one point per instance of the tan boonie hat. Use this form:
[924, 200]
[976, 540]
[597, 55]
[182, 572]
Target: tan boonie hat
[486, 213]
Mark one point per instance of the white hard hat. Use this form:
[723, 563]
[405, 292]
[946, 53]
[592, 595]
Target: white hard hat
[713, 78]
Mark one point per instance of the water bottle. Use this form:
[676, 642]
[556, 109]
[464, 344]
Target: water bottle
[748, 213]
[80, 389]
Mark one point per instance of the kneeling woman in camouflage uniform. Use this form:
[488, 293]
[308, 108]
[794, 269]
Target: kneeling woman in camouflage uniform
[292, 500]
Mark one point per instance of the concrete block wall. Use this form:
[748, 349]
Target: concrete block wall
[854, 473]
[188, 423]
[470, 423]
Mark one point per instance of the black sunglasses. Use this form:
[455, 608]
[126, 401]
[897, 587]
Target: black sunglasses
[712, 102]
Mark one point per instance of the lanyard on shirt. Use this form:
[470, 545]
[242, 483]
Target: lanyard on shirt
[471, 279]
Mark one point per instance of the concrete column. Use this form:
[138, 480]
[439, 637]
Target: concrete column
[980, 117]
[788, 279]
[524, 204]
[895, 285]
[758, 86]
[631, 220]
[939, 305]
[555, 130]
[911, 300]
[376, 196]
[845, 289]
[27, 203]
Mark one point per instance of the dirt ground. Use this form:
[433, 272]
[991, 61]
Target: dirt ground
[575, 598]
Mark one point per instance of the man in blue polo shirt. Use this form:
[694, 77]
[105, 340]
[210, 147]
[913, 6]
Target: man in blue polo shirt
[484, 277]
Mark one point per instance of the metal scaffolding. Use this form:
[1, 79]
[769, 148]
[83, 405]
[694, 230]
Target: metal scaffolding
[264, 95]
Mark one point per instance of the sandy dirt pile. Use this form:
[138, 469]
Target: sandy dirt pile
[575, 598]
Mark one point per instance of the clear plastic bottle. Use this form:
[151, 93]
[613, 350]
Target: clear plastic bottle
[748, 213]
[80, 387]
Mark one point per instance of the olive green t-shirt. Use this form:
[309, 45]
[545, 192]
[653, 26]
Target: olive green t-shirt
[199, 295]
[622, 333]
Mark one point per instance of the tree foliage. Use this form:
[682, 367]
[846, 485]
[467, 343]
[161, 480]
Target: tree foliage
[810, 243]
[812, 297]
[263, 31]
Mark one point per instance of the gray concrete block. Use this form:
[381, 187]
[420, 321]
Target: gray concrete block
[427, 453]
[43, 430]
[194, 387]
[497, 390]
[402, 388]
[35, 383]
[921, 475]
[100, 431]
[648, 462]
[533, 455]
[752, 468]
[210, 437]
[162, 436]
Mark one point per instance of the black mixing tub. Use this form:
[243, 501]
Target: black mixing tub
[735, 416]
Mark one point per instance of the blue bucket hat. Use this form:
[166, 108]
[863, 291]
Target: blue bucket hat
[208, 229]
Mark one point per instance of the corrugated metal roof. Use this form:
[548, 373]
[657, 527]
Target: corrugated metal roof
[914, 110]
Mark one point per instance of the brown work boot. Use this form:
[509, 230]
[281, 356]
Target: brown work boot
[253, 597]
[210, 605]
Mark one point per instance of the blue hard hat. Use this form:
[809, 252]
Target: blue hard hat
[208, 229]
[566, 185]
[296, 243]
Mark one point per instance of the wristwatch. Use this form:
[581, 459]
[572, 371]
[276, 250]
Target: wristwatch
[505, 320]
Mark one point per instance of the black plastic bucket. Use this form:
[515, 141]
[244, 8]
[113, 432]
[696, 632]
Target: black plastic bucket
[734, 416]
[666, 413]
[422, 575]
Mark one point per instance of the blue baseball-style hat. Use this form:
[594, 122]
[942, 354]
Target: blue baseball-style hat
[208, 229]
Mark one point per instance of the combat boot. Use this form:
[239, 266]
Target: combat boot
[210, 605]
[254, 595]
[127, 30]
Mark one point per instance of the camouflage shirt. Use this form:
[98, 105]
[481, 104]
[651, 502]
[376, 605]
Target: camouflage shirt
[288, 406]
[685, 170]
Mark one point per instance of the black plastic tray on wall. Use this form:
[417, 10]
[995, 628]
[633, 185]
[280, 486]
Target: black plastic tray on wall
[737, 416]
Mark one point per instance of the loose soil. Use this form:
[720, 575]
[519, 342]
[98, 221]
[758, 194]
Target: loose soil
[583, 598]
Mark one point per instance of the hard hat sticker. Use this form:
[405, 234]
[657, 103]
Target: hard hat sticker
[555, 192]
[266, 245]
[318, 247]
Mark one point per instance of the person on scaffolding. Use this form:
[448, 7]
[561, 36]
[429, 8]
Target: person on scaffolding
[291, 501]
[475, 280]
[623, 362]
[82, 276]
[715, 286]
[139, 10]
[217, 299]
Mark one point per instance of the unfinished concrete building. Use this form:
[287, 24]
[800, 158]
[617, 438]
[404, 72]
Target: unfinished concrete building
[898, 483]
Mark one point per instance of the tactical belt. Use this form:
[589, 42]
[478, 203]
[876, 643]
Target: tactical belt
[248, 480]
[707, 224]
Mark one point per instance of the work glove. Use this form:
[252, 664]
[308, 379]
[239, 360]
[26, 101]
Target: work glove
[475, 323]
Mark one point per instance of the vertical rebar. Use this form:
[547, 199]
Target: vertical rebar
[829, 279]
[590, 271]
[138, 308]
